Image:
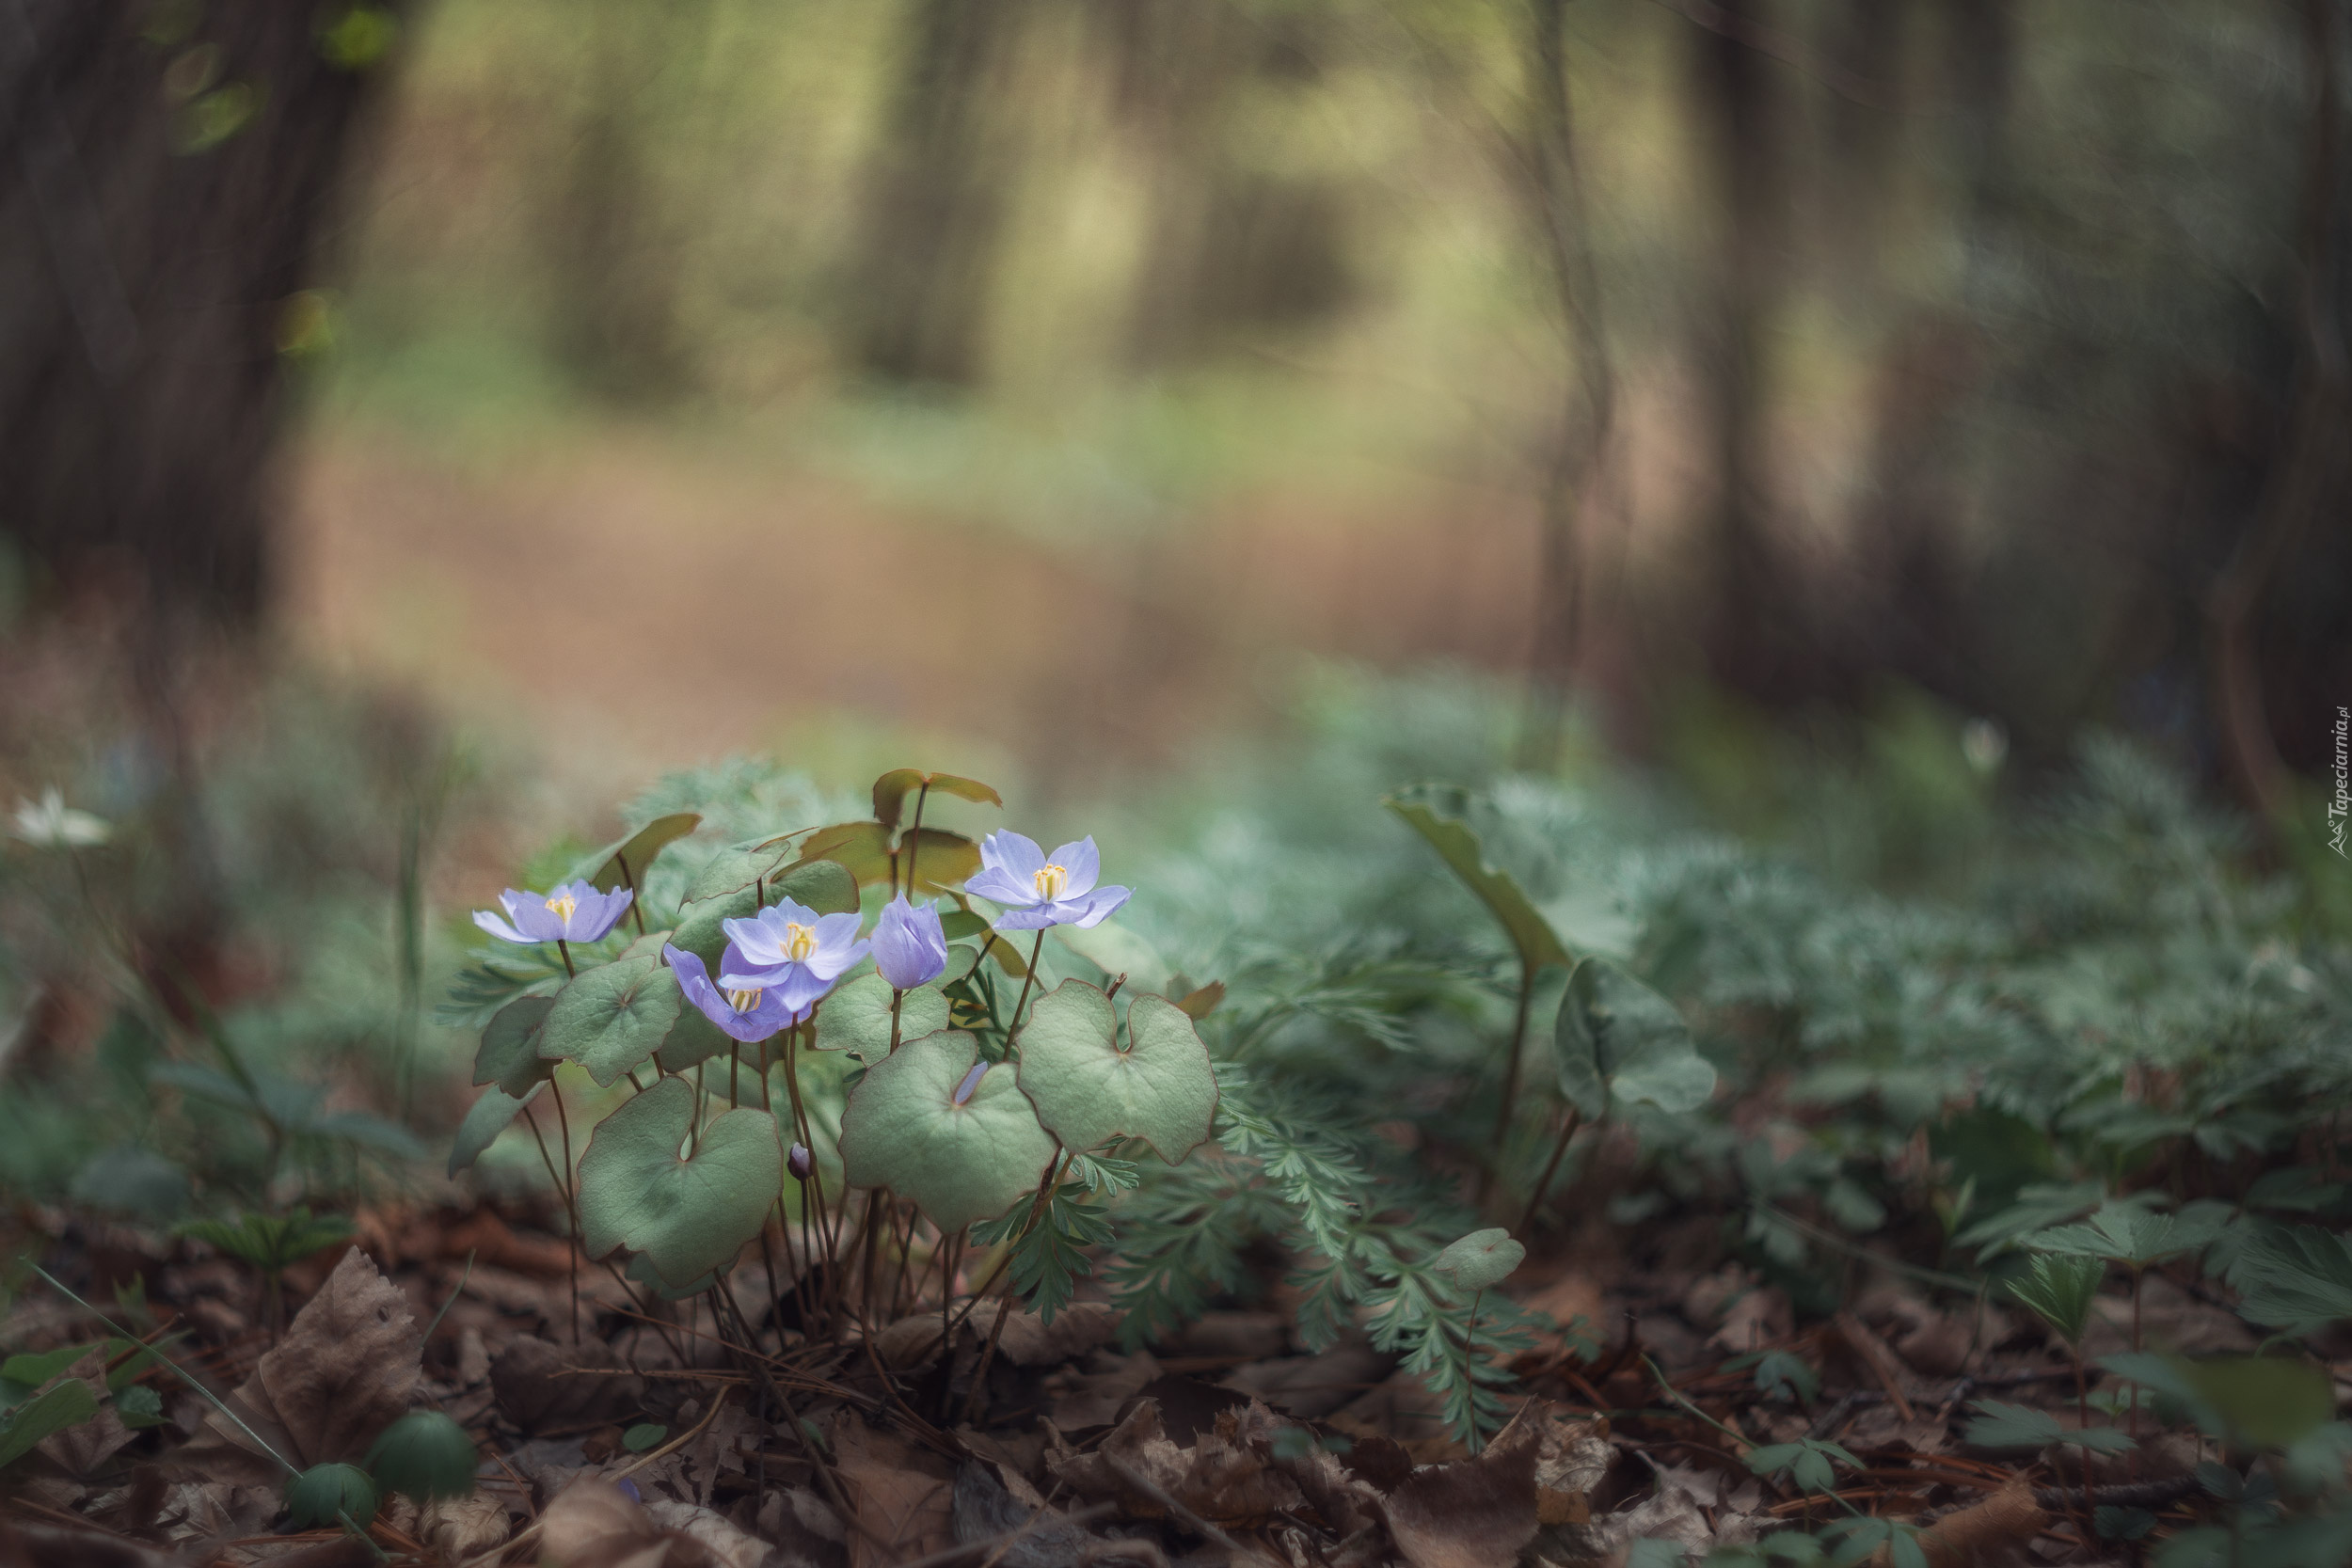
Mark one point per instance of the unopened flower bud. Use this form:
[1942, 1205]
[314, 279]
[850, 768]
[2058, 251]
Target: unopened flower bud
[798, 1164]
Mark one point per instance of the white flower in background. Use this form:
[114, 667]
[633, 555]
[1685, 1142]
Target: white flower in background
[52, 824]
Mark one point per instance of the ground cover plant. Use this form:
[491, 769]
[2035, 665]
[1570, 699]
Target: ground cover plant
[1374, 1155]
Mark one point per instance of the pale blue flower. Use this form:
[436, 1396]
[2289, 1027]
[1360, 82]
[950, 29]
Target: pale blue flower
[747, 1013]
[792, 949]
[1036, 892]
[569, 911]
[910, 948]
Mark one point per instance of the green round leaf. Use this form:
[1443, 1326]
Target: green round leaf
[694, 1039]
[892, 789]
[701, 924]
[625, 862]
[903, 1128]
[643, 1436]
[612, 1017]
[738, 867]
[824, 886]
[317, 1496]
[510, 1057]
[1482, 1259]
[484, 1122]
[424, 1455]
[1162, 1088]
[2265, 1401]
[1620, 1042]
[688, 1217]
[856, 1017]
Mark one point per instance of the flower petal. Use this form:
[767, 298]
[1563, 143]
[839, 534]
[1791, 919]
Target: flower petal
[1093, 908]
[1009, 851]
[740, 971]
[759, 945]
[831, 965]
[1035, 919]
[530, 915]
[785, 911]
[497, 928]
[999, 886]
[1084, 863]
[800, 988]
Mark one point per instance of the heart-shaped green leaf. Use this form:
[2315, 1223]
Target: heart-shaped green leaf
[510, 1057]
[942, 860]
[1435, 812]
[892, 789]
[1482, 1259]
[624, 864]
[962, 1153]
[1621, 1043]
[612, 1017]
[1162, 1088]
[738, 867]
[825, 886]
[692, 1041]
[701, 924]
[686, 1216]
[485, 1121]
[856, 1017]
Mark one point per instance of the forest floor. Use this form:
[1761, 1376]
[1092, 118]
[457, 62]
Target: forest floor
[1231, 1443]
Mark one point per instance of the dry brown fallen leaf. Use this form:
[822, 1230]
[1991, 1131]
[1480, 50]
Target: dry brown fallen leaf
[538, 1384]
[344, 1371]
[1472, 1512]
[2009, 1517]
[594, 1524]
[81, 1448]
[463, 1527]
[904, 1495]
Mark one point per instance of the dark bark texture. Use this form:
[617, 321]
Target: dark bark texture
[167, 178]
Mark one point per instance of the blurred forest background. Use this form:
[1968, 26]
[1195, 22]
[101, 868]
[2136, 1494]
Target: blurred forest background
[1033, 375]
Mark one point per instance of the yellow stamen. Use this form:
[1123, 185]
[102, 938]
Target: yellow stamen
[744, 1001]
[1050, 882]
[564, 906]
[799, 942]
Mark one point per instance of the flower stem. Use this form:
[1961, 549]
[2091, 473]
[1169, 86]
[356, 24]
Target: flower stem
[914, 836]
[1510, 1076]
[1027, 980]
[540, 1139]
[1543, 1183]
[564, 951]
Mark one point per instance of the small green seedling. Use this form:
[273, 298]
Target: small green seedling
[2059, 1289]
[271, 1243]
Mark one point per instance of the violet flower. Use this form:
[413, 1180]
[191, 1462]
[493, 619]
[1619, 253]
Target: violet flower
[792, 949]
[745, 1013]
[910, 948]
[1036, 892]
[569, 911]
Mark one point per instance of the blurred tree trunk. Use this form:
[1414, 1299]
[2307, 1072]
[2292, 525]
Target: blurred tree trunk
[167, 192]
[2316, 449]
[1232, 247]
[1753, 643]
[938, 193]
[615, 267]
[1554, 193]
[1908, 620]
